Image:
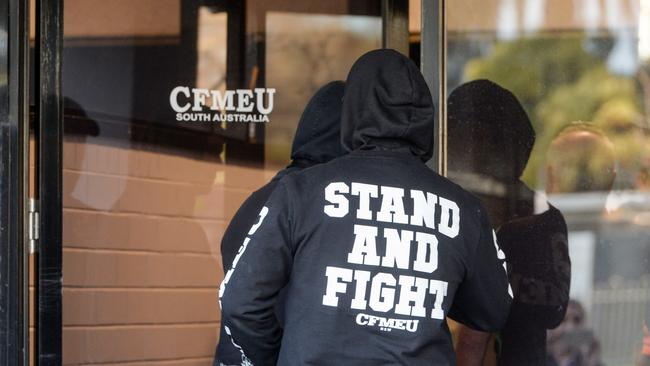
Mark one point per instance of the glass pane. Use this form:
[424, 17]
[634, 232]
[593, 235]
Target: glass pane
[303, 52]
[548, 117]
[160, 151]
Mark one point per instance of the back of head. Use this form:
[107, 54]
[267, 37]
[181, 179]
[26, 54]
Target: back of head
[387, 106]
[317, 137]
[580, 159]
[489, 133]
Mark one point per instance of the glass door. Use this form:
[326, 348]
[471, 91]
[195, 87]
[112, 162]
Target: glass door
[159, 151]
[548, 122]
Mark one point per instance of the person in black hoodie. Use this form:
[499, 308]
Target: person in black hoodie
[490, 138]
[372, 248]
[317, 141]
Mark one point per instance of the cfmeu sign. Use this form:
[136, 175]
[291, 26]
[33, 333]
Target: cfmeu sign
[203, 105]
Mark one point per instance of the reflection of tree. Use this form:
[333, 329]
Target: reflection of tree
[644, 80]
[565, 79]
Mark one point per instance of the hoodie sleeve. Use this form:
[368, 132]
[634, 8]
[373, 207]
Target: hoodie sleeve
[250, 289]
[483, 299]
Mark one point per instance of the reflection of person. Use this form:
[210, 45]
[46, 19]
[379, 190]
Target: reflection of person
[77, 121]
[572, 343]
[317, 141]
[373, 247]
[490, 139]
[580, 159]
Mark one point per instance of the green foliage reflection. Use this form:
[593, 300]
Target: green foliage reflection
[563, 78]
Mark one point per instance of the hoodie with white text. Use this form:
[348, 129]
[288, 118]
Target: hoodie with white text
[374, 249]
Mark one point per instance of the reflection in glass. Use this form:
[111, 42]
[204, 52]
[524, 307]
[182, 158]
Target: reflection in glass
[580, 71]
[303, 52]
[490, 138]
[212, 49]
[147, 197]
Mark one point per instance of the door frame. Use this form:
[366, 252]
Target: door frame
[48, 137]
[433, 57]
[14, 143]
[47, 90]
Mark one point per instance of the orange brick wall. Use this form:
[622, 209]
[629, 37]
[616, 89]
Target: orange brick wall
[141, 261]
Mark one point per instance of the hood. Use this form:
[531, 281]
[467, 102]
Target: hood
[387, 106]
[488, 131]
[317, 137]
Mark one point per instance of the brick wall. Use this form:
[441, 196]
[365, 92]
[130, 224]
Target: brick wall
[141, 261]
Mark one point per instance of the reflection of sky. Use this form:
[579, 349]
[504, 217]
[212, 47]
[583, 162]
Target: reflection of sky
[533, 17]
[587, 12]
[507, 20]
[622, 59]
[644, 30]
[534, 13]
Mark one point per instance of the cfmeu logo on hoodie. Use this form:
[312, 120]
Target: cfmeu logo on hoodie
[414, 294]
[203, 105]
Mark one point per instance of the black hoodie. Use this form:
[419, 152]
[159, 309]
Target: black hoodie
[317, 141]
[374, 248]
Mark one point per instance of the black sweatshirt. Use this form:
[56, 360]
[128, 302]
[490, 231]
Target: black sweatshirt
[375, 250]
[317, 141]
[540, 274]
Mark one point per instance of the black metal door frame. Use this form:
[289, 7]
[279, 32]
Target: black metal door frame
[433, 59]
[15, 228]
[433, 45]
[48, 180]
[14, 140]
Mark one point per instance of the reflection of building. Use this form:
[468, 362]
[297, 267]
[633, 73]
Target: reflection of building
[146, 198]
